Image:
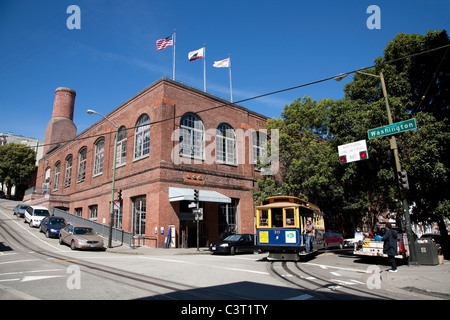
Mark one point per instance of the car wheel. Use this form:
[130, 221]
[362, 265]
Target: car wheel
[341, 245]
[72, 245]
[61, 241]
[325, 245]
[47, 234]
[232, 251]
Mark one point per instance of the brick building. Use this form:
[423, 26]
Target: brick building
[172, 139]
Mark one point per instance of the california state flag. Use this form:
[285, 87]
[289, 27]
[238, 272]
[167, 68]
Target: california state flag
[198, 54]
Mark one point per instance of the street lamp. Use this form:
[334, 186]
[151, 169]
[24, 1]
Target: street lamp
[393, 142]
[111, 215]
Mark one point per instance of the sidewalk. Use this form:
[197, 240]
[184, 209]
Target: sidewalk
[429, 280]
[143, 250]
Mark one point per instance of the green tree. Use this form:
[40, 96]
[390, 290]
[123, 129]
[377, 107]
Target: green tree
[311, 131]
[17, 164]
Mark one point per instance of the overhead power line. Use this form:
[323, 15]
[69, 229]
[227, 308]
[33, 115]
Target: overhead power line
[267, 94]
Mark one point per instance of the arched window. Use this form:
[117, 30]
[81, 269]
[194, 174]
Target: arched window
[98, 157]
[192, 136]
[81, 165]
[142, 137]
[68, 172]
[122, 146]
[225, 144]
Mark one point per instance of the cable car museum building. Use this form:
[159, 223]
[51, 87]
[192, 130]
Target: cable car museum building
[172, 139]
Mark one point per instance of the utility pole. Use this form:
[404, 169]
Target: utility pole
[398, 167]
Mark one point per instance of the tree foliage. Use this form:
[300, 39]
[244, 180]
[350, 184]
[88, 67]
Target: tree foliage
[311, 131]
[17, 164]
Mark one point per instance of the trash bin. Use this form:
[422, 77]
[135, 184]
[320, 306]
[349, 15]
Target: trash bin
[426, 252]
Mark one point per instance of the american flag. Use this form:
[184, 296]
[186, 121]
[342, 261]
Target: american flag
[164, 43]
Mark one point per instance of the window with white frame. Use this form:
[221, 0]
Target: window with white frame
[192, 136]
[142, 137]
[56, 178]
[68, 172]
[81, 165]
[225, 144]
[259, 145]
[99, 156]
[121, 146]
[93, 212]
[138, 211]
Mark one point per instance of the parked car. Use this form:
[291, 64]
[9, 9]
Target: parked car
[19, 210]
[51, 226]
[80, 237]
[333, 239]
[35, 214]
[235, 243]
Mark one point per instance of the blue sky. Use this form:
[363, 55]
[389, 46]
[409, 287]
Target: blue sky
[273, 45]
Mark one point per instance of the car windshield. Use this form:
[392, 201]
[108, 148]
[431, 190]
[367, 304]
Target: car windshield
[56, 221]
[85, 231]
[233, 237]
[335, 234]
[41, 213]
[23, 206]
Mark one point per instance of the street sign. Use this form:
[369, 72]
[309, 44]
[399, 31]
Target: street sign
[354, 151]
[392, 129]
[198, 213]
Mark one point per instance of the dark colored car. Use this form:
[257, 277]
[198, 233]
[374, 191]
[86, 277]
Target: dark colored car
[51, 226]
[333, 239]
[19, 210]
[235, 243]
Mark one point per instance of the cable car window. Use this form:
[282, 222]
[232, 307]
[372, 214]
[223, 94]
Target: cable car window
[290, 217]
[277, 218]
[264, 218]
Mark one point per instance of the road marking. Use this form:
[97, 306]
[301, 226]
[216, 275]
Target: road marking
[18, 261]
[5, 280]
[65, 260]
[34, 278]
[32, 271]
[198, 264]
[335, 274]
[334, 267]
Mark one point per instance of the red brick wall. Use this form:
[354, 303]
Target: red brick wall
[153, 174]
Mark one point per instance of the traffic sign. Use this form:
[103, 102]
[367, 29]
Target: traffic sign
[354, 151]
[392, 129]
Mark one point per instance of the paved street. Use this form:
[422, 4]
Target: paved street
[34, 267]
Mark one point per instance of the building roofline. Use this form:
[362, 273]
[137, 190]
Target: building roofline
[188, 87]
[152, 85]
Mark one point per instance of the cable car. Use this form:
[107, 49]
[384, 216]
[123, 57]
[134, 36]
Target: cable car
[280, 227]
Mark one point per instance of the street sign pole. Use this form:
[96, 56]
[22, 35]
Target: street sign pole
[393, 143]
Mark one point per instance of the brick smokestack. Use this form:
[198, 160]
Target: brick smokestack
[61, 127]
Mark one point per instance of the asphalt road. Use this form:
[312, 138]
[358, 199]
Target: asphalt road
[34, 267]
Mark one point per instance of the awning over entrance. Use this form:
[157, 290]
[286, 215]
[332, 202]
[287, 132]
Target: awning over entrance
[180, 194]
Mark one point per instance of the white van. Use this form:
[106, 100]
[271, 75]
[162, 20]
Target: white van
[35, 214]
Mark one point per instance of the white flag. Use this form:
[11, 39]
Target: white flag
[197, 54]
[225, 63]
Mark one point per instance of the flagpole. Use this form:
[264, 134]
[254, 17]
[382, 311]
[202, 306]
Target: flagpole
[174, 44]
[231, 86]
[204, 67]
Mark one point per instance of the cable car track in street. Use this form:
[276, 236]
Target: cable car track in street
[306, 281]
[156, 286]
